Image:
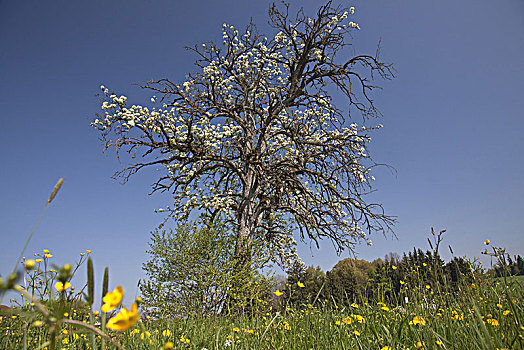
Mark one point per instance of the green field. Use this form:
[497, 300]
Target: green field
[483, 315]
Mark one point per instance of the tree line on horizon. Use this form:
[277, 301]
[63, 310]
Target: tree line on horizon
[356, 280]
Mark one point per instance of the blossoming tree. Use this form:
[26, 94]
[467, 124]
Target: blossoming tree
[254, 138]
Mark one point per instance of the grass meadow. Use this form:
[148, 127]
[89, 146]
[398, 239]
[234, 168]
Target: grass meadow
[486, 314]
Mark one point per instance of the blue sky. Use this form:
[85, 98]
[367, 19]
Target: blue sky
[453, 121]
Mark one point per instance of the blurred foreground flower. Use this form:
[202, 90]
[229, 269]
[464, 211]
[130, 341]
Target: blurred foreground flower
[113, 299]
[125, 319]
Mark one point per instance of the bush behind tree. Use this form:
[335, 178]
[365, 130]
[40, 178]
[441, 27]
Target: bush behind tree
[191, 271]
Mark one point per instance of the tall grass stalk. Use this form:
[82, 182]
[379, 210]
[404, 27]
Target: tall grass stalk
[55, 190]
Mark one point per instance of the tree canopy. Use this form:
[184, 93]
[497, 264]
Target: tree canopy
[253, 137]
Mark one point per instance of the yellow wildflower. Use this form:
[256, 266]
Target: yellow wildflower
[113, 299]
[278, 293]
[300, 284]
[357, 333]
[48, 255]
[506, 312]
[361, 319]
[419, 345]
[393, 267]
[39, 260]
[236, 329]
[61, 286]
[169, 345]
[487, 241]
[125, 319]
[88, 251]
[146, 334]
[386, 348]
[493, 322]
[166, 333]
[418, 320]
[46, 251]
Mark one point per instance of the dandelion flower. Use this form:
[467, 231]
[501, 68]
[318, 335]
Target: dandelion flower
[169, 345]
[46, 251]
[300, 284]
[125, 319]
[236, 329]
[166, 333]
[48, 255]
[113, 299]
[278, 293]
[62, 286]
[386, 348]
[393, 267]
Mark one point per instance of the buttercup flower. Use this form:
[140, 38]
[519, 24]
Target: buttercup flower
[61, 286]
[487, 242]
[300, 284]
[125, 319]
[418, 320]
[113, 299]
[278, 293]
